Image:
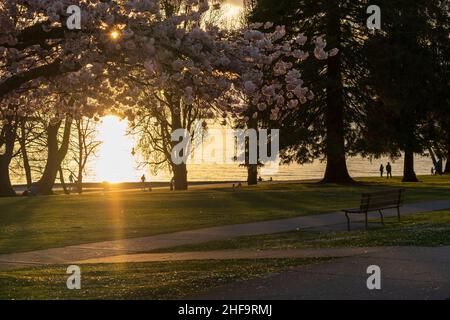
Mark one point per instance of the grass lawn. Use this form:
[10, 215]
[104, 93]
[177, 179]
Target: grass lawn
[153, 280]
[423, 229]
[54, 221]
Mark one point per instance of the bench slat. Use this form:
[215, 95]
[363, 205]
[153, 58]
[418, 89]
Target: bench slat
[378, 201]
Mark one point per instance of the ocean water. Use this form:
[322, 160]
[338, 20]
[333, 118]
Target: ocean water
[358, 167]
[115, 162]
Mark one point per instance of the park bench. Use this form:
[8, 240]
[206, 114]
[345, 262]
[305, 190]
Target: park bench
[377, 201]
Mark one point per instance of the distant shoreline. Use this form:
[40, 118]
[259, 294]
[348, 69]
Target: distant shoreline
[95, 186]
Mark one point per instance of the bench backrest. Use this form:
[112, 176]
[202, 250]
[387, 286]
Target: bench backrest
[382, 199]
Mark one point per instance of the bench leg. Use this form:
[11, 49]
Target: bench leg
[348, 221]
[398, 213]
[381, 216]
[367, 223]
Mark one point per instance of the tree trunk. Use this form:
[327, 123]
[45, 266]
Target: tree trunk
[63, 183]
[6, 189]
[180, 176]
[54, 157]
[80, 158]
[336, 169]
[252, 168]
[447, 165]
[9, 137]
[408, 168]
[252, 174]
[433, 156]
[23, 150]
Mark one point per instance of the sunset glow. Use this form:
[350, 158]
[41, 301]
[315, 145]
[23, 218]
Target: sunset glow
[115, 163]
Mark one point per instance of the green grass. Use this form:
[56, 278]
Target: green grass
[54, 221]
[153, 280]
[423, 229]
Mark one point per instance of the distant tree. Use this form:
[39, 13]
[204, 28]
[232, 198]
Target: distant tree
[328, 127]
[83, 146]
[409, 73]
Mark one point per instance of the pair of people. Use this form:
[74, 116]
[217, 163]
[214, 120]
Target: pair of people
[73, 182]
[388, 170]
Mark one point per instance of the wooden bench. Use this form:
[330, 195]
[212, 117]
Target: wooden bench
[377, 201]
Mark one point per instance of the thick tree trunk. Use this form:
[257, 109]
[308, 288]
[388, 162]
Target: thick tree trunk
[447, 165]
[180, 176]
[252, 174]
[336, 169]
[408, 168]
[252, 168]
[55, 156]
[25, 159]
[6, 189]
[9, 137]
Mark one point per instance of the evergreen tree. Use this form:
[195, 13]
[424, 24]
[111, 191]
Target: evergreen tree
[409, 73]
[327, 127]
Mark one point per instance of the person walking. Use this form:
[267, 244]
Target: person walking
[381, 170]
[143, 182]
[72, 181]
[172, 183]
[389, 170]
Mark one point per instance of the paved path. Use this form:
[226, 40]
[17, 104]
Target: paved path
[406, 273]
[235, 254]
[69, 254]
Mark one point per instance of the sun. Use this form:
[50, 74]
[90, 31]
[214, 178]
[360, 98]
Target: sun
[115, 162]
[115, 34]
[231, 11]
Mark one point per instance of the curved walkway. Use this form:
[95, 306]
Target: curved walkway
[69, 254]
[235, 254]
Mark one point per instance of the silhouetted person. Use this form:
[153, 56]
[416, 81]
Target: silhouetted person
[432, 171]
[260, 179]
[72, 181]
[172, 183]
[381, 170]
[143, 182]
[388, 170]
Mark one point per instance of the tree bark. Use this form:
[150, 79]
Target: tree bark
[447, 165]
[80, 158]
[408, 168]
[23, 150]
[252, 174]
[336, 168]
[433, 156]
[61, 178]
[180, 176]
[252, 168]
[9, 137]
[55, 156]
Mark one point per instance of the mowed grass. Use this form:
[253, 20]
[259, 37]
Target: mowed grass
[424, 229]
[54, 221]
[153, 280]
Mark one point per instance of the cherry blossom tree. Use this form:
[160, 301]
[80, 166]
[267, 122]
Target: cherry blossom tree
[142, 59]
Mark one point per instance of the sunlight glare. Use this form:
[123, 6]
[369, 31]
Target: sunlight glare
[115, 34]
[115, 162]
[231, 11]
